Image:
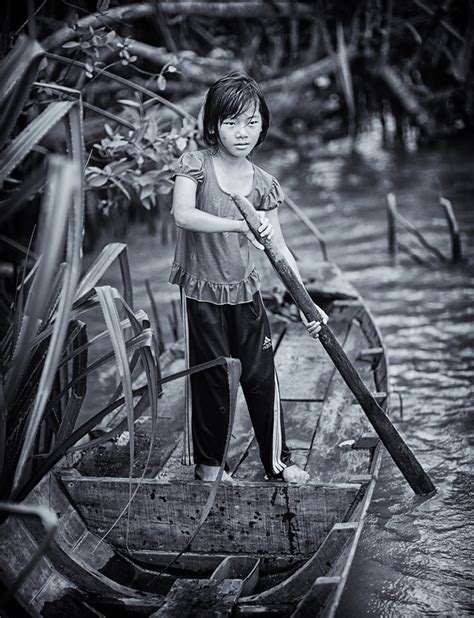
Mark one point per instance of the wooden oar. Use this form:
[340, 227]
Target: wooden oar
[399, 451]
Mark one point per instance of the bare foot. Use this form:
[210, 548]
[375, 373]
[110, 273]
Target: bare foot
[209, 473]
[294, 474]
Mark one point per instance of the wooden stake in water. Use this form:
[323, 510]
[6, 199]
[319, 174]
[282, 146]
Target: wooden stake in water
[409, 466]
[456, 250]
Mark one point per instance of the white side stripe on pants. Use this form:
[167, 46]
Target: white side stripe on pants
[277, 463]
[188, 453]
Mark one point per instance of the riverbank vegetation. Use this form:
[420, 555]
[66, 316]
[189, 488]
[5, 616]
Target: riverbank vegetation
[329, 69]
[116, 89]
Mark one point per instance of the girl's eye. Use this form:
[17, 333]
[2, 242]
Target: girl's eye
[229, 122]
[253, 123]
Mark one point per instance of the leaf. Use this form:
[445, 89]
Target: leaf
[16, 63]
[181, 143]
[71, 44]
[129, 103]
[51, 245]
[161, 82]
[97, 269]
[17, 74]
[112, 320]
[14, 154]
[144, 338]
[79, 387]
[121, 186]
[98, 181]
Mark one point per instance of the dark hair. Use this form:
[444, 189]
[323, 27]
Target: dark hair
[227, 98]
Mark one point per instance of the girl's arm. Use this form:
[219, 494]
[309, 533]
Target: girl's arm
[187, 216]
[278, 239]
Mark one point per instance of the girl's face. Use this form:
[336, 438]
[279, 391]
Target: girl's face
[239, 135]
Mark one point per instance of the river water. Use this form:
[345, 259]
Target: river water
[414, 555]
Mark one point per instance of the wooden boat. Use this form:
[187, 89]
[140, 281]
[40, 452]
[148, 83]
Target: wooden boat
[266, 547]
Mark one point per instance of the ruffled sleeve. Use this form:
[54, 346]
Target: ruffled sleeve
[189, 165]
[273, 198]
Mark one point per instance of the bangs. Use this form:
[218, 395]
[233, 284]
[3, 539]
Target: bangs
[228, 98]
[238, 102]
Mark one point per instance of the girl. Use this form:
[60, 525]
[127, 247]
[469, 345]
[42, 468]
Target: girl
[223, 313]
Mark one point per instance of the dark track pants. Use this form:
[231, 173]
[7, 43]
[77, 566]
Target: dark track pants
[240, 331]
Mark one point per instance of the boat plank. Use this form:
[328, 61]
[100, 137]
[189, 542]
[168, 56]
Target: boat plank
[246, 518]
[340, 421]
[317, 598]
[244, 568]
[302, 365]
[196, 597]
[295, 586]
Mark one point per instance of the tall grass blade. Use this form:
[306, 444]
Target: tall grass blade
[156, 322]
[22, 145]
[16, 63]
[126, 277]
[73, 187]
[17, 99]
[97, 269]
[3, 428]
[134, 343]
[79, 388]
[102, 335]
[61, 183]
[112, 321]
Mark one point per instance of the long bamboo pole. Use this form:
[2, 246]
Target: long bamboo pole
[409, 466]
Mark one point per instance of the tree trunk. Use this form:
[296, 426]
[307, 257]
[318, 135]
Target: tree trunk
[224, 10]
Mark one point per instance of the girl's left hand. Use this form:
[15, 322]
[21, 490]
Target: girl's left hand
[314, 327]
[266, 228]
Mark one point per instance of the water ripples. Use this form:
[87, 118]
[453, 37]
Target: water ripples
[414, 555]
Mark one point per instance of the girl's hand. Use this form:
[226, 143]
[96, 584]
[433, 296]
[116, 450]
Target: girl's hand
[265, 229]
[314, 327]
[251, 236]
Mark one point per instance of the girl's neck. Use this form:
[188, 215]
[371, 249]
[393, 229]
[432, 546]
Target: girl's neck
[229, 162]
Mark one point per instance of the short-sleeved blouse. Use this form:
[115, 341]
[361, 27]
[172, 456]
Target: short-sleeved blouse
[217, 267]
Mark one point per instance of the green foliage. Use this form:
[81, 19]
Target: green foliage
[137, 164]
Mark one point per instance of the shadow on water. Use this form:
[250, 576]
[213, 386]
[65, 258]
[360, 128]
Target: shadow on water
[414, 553]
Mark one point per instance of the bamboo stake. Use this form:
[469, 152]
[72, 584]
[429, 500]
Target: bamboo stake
[456, 250]
[392, 226]
[309, 224]
[399, 451]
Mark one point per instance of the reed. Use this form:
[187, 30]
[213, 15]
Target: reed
[44, 346]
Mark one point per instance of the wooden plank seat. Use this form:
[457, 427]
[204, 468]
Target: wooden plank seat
[255, 519]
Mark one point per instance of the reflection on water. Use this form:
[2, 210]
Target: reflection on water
[414, 554]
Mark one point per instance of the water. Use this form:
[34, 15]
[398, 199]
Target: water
[414, 555]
